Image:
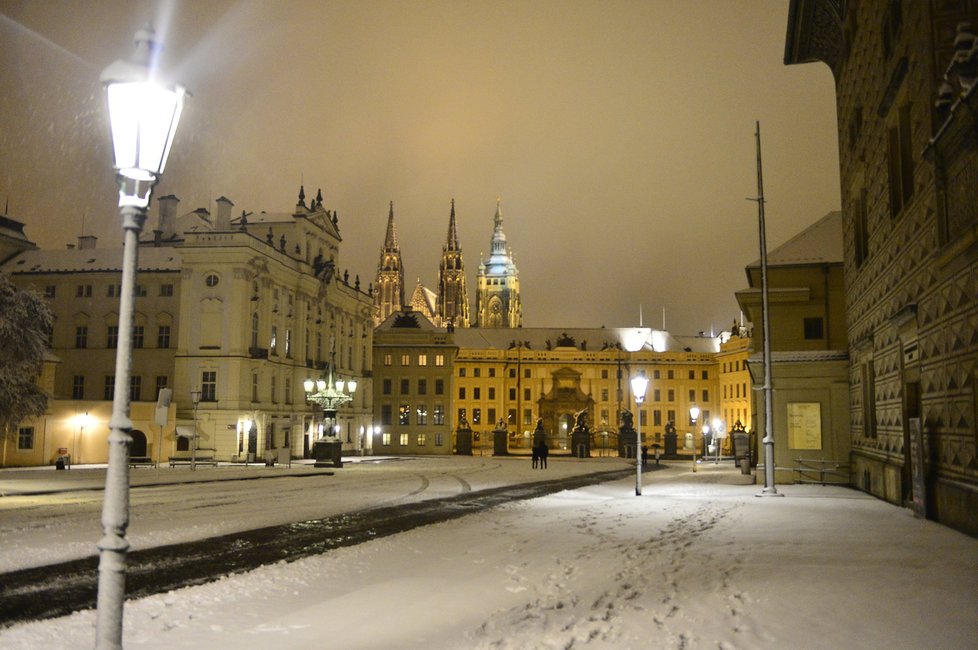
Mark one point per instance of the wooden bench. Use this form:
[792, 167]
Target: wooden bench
[186, 460]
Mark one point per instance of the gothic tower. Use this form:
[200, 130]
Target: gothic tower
[498, 299]
[389, 287]
[453, 302]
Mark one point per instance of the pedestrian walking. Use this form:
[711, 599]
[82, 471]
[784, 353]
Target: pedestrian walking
[544, 452]
[536, 456]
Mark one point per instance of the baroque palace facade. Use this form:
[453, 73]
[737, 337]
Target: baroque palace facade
[905, 76]
[243, 309]
[429, 379]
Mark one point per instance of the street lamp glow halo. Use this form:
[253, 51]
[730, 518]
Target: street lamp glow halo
[143, 114]
[640, 384]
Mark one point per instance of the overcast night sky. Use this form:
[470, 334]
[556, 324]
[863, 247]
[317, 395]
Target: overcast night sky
[619, 135]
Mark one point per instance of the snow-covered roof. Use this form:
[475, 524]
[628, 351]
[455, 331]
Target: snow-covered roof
[88, 260]
[820, 243]
[595, 338]
[408, 319]
[538, 338]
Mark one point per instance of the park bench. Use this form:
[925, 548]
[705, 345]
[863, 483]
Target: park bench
[186, 460]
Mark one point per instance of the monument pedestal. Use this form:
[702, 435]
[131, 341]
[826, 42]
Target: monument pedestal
[328, 453]
[463, 442]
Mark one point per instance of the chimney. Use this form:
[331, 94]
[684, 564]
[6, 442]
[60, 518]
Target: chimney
[222, 222]
[86, 242]
[168, 215]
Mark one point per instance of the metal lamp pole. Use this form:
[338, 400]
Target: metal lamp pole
[144, 117]
[694, 412]
[769, 488]
[640, 384]
[195, 399]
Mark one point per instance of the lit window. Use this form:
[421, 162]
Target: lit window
[422, 359]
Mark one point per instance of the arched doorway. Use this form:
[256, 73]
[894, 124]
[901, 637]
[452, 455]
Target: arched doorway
[138, 448]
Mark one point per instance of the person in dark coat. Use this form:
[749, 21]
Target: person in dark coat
[536, 456]
[544, 452]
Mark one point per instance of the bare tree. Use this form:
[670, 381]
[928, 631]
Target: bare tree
[25, 321]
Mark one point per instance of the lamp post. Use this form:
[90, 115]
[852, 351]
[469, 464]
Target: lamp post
[82, 423]
[634, 339]
[640, 384]
[694, 412]
[195, 399]
[330, 396]
[144, 116]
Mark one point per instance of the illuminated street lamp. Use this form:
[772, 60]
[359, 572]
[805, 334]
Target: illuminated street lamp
[82, 421]
[640, 384]
[330, 395]
[634, 339]
[144, 115]
[694, 413]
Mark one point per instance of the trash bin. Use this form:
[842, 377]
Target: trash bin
[60, 463]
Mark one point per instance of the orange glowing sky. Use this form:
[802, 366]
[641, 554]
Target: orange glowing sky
[619, 135]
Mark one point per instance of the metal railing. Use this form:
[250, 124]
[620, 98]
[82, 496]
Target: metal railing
[820, 471]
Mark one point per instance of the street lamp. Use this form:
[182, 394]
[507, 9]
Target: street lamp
[195, 399]
[330, 395]
[144, 116]
[82, 421]
[634, 339]
[694, 412]
[640, 384]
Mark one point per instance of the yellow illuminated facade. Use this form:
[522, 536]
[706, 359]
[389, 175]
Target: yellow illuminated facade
[428, 379]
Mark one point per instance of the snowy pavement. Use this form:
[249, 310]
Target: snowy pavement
[698, 561]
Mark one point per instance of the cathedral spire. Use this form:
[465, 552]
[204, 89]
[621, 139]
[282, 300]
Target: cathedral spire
[453, 302]
[389, 286]
[390, 240]
[452, 244]
[498, 298]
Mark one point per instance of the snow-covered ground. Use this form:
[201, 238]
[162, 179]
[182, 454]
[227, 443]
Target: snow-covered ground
[698, 561]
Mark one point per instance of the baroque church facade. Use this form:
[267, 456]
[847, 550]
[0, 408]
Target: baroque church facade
[498, 291]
